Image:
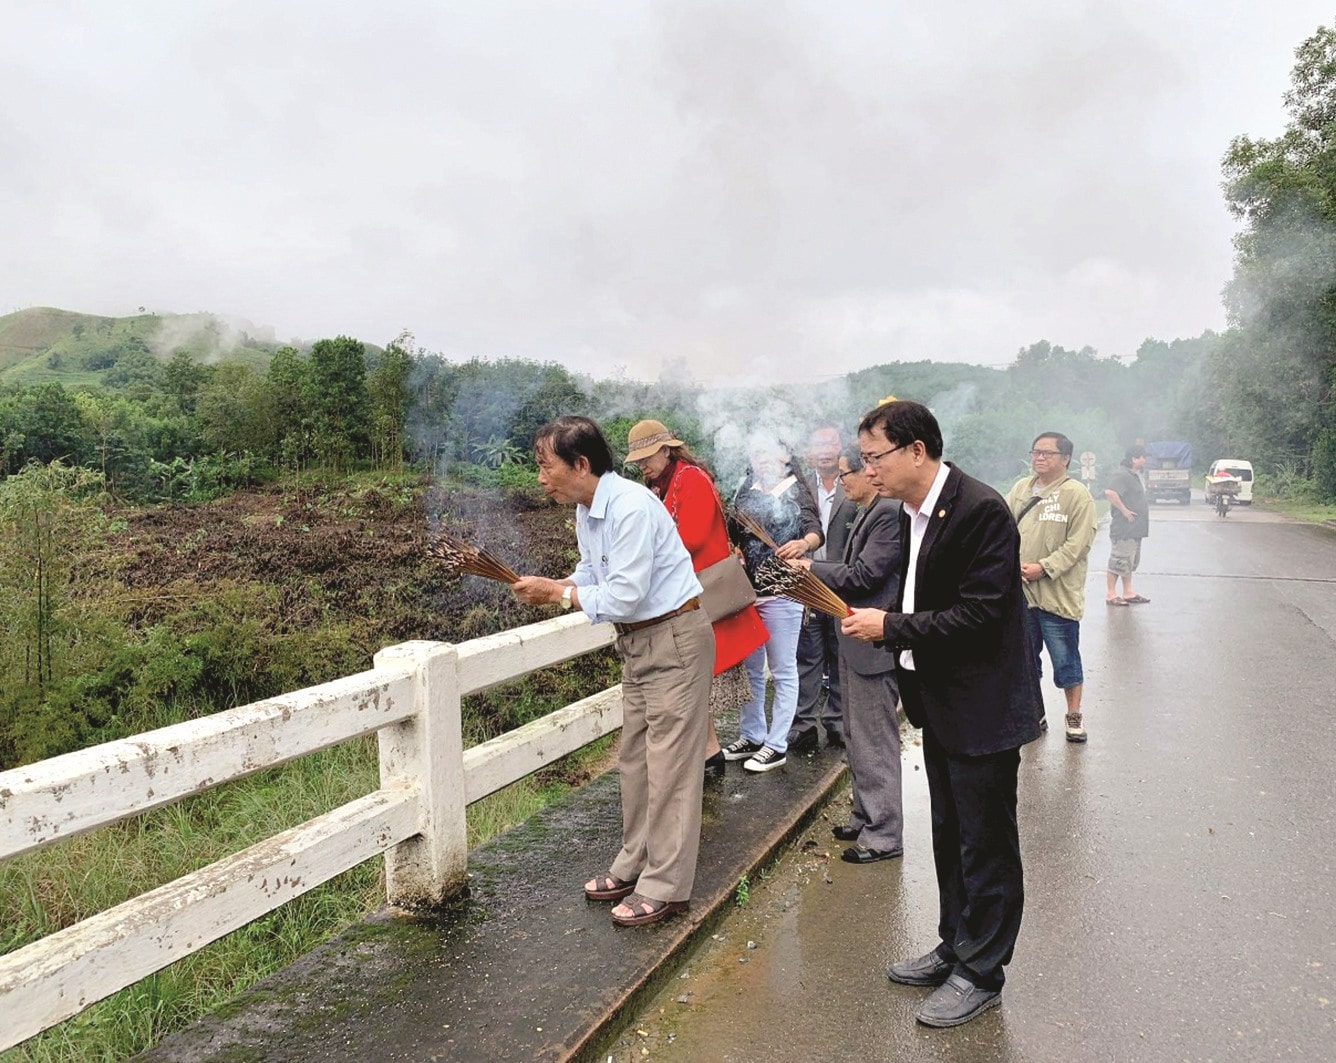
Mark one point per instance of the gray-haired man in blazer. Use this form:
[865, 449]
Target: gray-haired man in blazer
[868, 576]
[818, 642]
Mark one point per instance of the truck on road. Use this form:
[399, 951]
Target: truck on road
[1169, 471]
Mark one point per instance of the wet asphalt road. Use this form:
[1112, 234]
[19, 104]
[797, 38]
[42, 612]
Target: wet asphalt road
[1179, 867]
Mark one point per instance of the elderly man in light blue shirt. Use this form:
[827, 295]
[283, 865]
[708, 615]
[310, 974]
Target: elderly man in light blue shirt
[633, 565]
[635, 573]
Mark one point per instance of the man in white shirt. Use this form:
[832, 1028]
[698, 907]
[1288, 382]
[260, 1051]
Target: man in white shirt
[966, 677]
[635, 573]
[818, 644]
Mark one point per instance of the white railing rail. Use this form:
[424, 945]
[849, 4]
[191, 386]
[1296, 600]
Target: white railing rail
[410, 699]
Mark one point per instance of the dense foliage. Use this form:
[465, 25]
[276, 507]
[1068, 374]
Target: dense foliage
[1273, 381]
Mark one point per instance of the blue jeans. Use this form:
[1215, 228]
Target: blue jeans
[1062, 637]
[783, 620]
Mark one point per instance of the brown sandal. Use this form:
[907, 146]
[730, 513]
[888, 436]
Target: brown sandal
[647, 910]
[608, 888]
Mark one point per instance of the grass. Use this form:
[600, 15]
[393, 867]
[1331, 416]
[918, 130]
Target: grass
[1313, 512]
[45, 891]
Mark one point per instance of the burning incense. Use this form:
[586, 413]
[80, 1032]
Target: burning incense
[798, 584]
[754, 526]
[469, 559]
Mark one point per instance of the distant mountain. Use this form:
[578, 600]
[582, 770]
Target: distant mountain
[45, 344]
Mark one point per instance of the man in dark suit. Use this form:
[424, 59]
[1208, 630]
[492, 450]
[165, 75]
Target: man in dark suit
[818, 645]
[868, 576]
[967, 679]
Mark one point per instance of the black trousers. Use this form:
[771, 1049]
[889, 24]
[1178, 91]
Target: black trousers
[818, 659]
[976, 847]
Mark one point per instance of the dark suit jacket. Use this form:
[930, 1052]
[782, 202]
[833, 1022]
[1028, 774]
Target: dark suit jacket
[843, 513]
[867, 577]
[974, 673]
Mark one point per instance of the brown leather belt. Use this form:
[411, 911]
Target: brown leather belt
[640, 625]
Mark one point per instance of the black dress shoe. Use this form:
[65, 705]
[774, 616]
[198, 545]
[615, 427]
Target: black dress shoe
[803, 742]
[857, 854]
[834, 740]
[956, 1001]
[715, 766]
[925, 970]
[845, 834]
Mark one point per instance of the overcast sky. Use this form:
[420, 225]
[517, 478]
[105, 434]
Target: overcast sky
[772, 188]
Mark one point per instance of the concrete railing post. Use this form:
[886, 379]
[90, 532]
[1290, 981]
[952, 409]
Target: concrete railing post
[427, 752]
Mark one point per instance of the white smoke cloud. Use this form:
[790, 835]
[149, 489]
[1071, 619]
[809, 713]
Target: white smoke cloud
[209, 337]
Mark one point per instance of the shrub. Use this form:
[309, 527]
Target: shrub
[517, 477]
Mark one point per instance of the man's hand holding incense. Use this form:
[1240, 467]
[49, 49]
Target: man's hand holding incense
[804, 563]
[538, 590]
[866, 625]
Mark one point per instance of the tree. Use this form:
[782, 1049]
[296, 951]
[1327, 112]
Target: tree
[48, 516]
[1282, 297]
[236, 411]
[105, 417]
[294, 408]
[48, 420]
[388, 387]
[183, 379]
[339, 398]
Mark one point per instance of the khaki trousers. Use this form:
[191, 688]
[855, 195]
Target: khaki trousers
[666, 672]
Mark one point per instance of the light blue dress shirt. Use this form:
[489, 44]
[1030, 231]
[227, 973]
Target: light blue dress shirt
[633, 565]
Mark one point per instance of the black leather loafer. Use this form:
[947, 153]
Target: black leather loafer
[856, 854]
[845, 834]
[834, 739]
[925, 970]
[956, 1001]
[803, 742]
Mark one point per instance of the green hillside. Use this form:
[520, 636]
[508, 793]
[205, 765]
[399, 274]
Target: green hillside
[44, 344]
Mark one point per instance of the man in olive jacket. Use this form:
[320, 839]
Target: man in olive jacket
[1056, 518]
[966, 677]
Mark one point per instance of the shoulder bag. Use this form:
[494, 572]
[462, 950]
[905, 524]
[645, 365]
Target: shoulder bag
[725, 588]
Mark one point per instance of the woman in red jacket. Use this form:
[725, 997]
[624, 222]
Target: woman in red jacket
[686, 488]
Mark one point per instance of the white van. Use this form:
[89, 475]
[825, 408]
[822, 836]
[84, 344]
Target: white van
[1235, 467]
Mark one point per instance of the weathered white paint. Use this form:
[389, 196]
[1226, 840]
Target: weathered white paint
[502, 657]
[417, 818]
[498, 763]
[427, 751]
[59, 976]
[68, 795]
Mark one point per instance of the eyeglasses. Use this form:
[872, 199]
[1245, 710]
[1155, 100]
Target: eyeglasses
[847, 472]
[871, 459]
[1045, 453]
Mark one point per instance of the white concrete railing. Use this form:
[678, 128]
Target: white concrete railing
[410, 698]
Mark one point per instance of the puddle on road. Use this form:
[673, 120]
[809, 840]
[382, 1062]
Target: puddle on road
[730, 965]
[820, 932]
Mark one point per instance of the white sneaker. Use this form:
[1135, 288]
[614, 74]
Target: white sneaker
[766, 759]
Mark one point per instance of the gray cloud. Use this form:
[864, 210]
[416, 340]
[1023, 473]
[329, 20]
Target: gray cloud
[785, 189]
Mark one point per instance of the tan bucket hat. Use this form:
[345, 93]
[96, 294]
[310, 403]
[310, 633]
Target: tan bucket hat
[645, 439]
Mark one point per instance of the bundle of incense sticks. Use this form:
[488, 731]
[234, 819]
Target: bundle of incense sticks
[473, 560]
[776, 577]
[755, 527]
